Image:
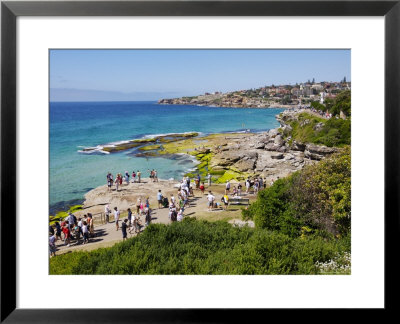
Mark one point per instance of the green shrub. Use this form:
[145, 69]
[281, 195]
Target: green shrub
[200, 247]
[318, 197]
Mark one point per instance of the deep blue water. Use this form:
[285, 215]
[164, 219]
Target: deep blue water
[74, 125]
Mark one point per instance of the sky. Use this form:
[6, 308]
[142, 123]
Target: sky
[128, 75]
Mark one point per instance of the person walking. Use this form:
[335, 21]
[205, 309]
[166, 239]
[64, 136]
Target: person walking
[202, 188]
[159, 199]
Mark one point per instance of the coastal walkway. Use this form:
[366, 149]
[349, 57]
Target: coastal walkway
[106, 235]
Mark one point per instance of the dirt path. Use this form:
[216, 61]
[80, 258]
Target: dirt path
[106, 235]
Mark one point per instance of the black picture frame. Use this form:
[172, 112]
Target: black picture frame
[10, 10]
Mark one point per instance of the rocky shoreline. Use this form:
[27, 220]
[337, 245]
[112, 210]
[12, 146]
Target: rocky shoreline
[232, 157]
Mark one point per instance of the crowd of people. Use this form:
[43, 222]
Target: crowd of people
[81, 230]
[71, 229]
[120, 179]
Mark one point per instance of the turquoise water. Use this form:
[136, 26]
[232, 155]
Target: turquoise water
[75, 125]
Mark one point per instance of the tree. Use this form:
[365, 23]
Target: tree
[342, 103]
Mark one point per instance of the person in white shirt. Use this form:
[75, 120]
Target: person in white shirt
[209, 179]
[180, 216]
[116, 217]
[85, 232]
[107, 212]
[210, 200]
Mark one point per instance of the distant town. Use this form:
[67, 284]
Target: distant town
[268, 96]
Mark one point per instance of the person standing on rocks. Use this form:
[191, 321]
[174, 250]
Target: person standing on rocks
[239, 189]
[133, 177]
[247, 185]
[227, 187]
[138, 203]
[155, 176]
[126, 177]
[109, 181]
[209, 179]
[138, 175]
[116, 217]
[117, 182]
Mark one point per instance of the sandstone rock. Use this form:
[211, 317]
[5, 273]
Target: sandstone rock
[282, 149]
[244, 165]
[259, 145]
[296, 146]
[279, 140]
[273, 132]
[317, 152]
[287, 129]
[271, 147]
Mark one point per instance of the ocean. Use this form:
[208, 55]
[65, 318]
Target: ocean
[78, 125]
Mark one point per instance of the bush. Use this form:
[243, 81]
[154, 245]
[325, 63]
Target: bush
[200, 247]
[318, 197]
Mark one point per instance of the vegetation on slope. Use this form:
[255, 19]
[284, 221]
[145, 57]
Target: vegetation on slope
[312, 129]
[200, 247]
[316, 199]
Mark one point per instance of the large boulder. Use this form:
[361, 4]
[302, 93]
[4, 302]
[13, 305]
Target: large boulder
[271, 147]
[287, 130]
[245, 165]
[273, 132]
[279, 140]
[259, 145]
[317, 152]
[297, 146]
[282, 149]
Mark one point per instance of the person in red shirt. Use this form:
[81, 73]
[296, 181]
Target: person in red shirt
[202, 187]
[67, 235]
